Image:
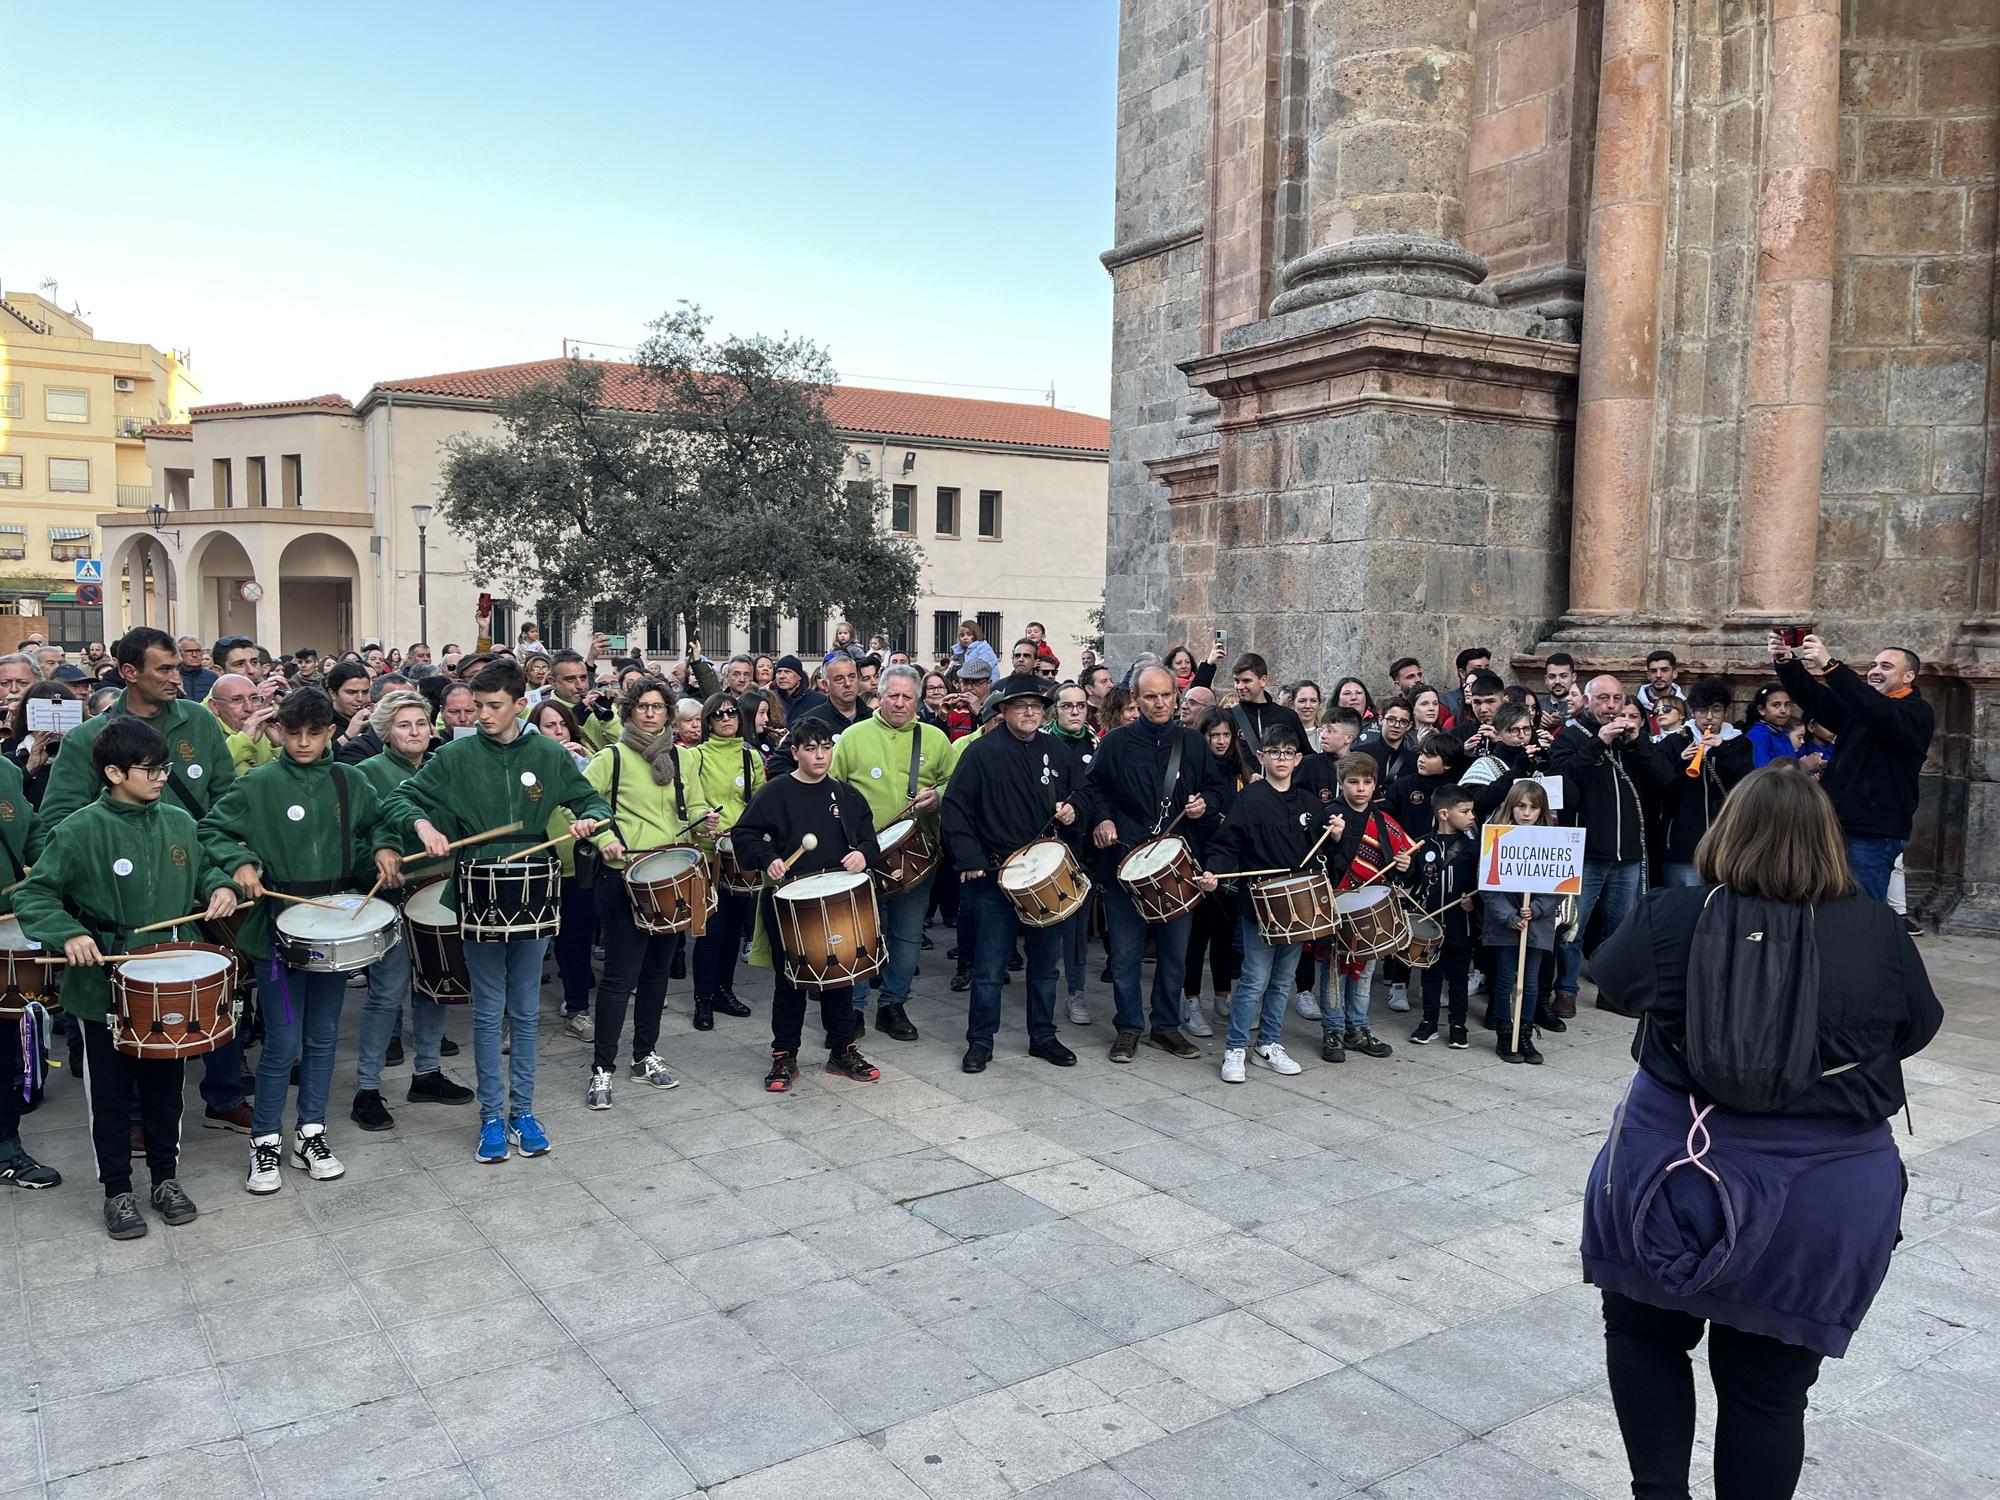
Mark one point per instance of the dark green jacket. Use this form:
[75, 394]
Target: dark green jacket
[197, 747]
[22, 832]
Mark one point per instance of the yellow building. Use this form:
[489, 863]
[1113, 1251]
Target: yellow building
[72, 406]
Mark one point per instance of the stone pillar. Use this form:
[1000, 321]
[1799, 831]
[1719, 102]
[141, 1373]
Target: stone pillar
[1244, 59]
[1618, 377]
[1791, 315]
[1391, 114]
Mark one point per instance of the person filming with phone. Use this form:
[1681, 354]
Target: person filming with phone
[1600, 796]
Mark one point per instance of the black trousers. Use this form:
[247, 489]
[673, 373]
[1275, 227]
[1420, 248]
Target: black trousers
[1453, 968]
[110, 1079]
[788, 1001]
[634, 960]
[1760, 1394]
[1213, 933]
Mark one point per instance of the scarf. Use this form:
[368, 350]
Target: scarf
[1083, 735]
[656, 749]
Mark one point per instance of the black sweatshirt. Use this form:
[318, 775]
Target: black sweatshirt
[787, 809]
[1003, 793]
[1881, 747]
[1126, 776]
[1688, 804]
[1446, 868]
[1267, 829]
[1600, 796]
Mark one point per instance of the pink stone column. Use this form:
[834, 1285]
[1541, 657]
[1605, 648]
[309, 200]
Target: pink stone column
[1791, 315]
[1618, 373]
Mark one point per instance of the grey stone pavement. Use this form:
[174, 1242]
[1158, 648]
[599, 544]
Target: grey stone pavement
[1102, 1283]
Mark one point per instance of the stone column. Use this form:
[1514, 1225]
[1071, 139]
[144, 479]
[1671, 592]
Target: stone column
[1391, 115]
[1791, 315]
[1618, 377]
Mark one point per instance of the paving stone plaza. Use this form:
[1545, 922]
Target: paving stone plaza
[1102, 1283]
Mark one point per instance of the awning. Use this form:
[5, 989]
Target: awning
[69, 533]
[9, 529]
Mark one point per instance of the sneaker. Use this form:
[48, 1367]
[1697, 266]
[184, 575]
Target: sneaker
[1460, 1040]
[492, 1141]
[1399, 997]
[1273, 1055]
[1366, 1043]
[434, 1088]
[1425, 1034]
[266, 1152]
[447, 1047]
[1079, 1010]
[704, 1012]
[1913, 928]
[1306, 1005]
[579, 1025]
[651, 1070]
[848, 1063]
[1196, 1023]
[1475, 982]
[784, 1072]
[1173, 1042]
[24, 1171]
[368, 1112]
[1232, 1065]
[1548, 1020]
[598, 1095]
[526, 1135]
[961, 981]
[1125, 1047]
[1220, 1005]
[122, 1219]
[311, 1153]
[237, 1119]
[171, 1203]
[393, 1057]
[358, 980]
[1331, 1048]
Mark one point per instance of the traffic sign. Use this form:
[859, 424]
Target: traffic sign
[90, 570]
[90, 594]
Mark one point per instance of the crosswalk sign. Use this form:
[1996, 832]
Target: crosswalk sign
[90, 570]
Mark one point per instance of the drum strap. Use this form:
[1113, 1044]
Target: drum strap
[916, 756]
[1169, 781]
[109, 936]
[174, 783]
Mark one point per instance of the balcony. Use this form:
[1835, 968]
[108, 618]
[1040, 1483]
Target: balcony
[129, 428]
[134, 496]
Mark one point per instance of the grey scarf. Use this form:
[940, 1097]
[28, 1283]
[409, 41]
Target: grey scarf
[658, 750]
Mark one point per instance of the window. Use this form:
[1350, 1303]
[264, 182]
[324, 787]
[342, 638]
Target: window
[12, 466]
[13, 542]
[72, 626]
[989, 514]
[714, 633]
[10, 399]
[501, 622]
[253, 483]
[69, 543]
[180, 489]
[69, 476]
[66, 404]
[291, 480]
[990, 629]
[663, 635]
[903, 634]
[944, 631]
[221, 486]
[763, 632]
[555, 624]
[812, 636]
[947, 512]
[902, 500]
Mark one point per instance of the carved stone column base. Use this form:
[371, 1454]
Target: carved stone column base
[1412, 264]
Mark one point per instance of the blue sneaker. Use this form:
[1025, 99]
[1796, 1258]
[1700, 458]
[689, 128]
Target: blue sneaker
[526, 1132]
[492, 1141]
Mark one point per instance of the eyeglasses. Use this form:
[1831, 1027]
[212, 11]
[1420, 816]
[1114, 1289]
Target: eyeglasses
[1282, 754]
[725, 713]
[151, 773]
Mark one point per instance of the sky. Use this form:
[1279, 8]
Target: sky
[315, 198]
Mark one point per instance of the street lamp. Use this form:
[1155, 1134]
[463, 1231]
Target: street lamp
[422, 513]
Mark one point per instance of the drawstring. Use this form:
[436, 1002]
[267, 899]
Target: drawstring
[284, 989]
[1694, 1156]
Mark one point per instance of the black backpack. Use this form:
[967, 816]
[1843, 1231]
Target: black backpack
[1753, 1002]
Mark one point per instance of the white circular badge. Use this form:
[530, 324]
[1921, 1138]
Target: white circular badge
[739, 781]
[876, 772]
[296, 813]
[121, 867]
[527, 778]
[194, 773]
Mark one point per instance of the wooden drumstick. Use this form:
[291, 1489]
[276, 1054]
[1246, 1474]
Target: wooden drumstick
[193, 916]
[1388, 868]
[477, 838]
[1248, 874]
[355, 916]
[9, 890]
[302, 901]
[808, 842]
[1324, 834]
[561, 838]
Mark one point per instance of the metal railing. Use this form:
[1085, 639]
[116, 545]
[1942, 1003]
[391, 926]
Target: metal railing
[134, 496]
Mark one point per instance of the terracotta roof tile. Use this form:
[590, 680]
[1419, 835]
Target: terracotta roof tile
[336, 402]
[852, 408]
[167, 430]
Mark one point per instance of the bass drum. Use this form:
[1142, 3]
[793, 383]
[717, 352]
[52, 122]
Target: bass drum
[830, 929]
[437, 952]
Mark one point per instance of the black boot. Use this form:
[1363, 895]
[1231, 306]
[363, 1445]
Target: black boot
[1547, 1019]
[726, 1002]
[704, 1012]
[893, 1021]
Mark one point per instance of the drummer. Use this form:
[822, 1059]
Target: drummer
[729, 773]
[1010, 788]
[775, 825]
[1273, 825]
[897, 762]
[486, 780]
[21, 838]
[1370, 846]
[301, 825]
[123, 862]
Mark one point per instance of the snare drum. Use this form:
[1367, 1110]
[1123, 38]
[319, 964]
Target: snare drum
[500, 899]
[335, 942]
[667, 888]
[1294, 908]
[731, 876]
[27, 972]
[1426, 943]
[908, 857]
[1159, 875]
[1044, 882]
[437, 952]
[1372, 922]
[829, 928]
[174, 1002]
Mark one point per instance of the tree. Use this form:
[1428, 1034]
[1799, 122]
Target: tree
[705, 476]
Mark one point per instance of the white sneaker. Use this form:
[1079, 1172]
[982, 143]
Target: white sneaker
[1195, 1023]
[1232, 1065]
[598, 1096]
[651, 1070]
[1399, 997]
[1274, 1056]
[1221, 1008]
[265, 1153]
[311, 1152]
[1079, 1010]
[1305, 1005]
[579, 1026]
[1474, 982]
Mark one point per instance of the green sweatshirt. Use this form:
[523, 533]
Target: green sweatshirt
[478, 783]
[22, 832]
[386, 772]
[648, 815]
[284, 818]
[719, 771]
[196, 747]
[124, 864]
[875, 760]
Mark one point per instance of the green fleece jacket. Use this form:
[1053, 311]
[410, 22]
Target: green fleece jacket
[122, 865]
[284, 818]
[22, 832]
[197, 749]
[478, 783]
[874, 759]
[720, 771]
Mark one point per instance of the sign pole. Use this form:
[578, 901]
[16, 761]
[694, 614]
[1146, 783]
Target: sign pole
[1521, 968]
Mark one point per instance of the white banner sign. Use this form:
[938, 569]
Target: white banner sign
[1537, 861]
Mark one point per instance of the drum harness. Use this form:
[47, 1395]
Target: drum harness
[1169, 780]
[317, 887]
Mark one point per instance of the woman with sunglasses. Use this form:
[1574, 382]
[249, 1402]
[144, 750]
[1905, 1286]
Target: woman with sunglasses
[729, 773]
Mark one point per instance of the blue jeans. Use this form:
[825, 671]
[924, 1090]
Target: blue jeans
[1679, 875]
[302, 1020]
[572, 942]
[388, 986]
[996, 925]
[1619, 887]
[1127, 932]
[903, 933]
[506, 980]
[1263, 986]
[1872, 860]
[222, 1076]
[1342, 1011]
[1505, 964]
[1075, 935]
